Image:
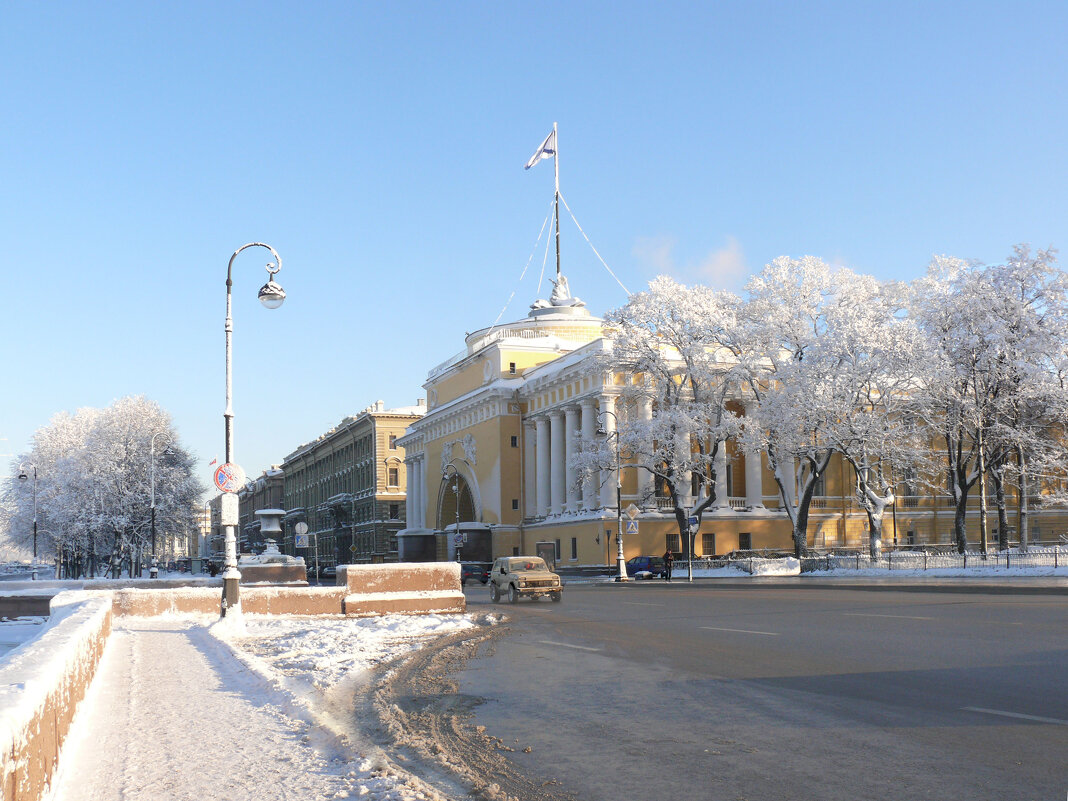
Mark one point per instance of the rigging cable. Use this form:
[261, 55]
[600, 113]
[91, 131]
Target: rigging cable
[588, 242]
[522, 275]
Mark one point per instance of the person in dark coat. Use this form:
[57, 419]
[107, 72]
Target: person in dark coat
[669, 561]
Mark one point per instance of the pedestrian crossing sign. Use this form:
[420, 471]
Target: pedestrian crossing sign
[632, 526]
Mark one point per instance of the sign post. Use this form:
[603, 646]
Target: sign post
[300, 540]
[693, 524]
[229, 478]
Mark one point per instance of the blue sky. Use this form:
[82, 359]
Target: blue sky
[379, 148]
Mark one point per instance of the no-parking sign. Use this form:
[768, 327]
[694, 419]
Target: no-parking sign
[229, 477]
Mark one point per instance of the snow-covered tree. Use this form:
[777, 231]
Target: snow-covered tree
[671, 339]
[829, 358]
[875, 353]
[996, 342]
[790, 383]
[1027, 321]
[94, 486]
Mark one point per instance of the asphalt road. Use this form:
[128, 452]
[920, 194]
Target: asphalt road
[749, 690]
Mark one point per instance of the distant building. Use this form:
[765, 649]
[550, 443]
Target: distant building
[264, 492]
[201, 531]
[349, 486]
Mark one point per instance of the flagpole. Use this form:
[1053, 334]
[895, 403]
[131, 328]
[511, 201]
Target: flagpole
[556, 166]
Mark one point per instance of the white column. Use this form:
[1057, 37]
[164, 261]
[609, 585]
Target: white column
[557, 476]
[420, 496]
[589, 431]
[645, 478]
[571, 434]
[608, 477]
[754, 480]
[543, 485]
[409, 497]
[720, 466]
[530, 470]
[413, 493]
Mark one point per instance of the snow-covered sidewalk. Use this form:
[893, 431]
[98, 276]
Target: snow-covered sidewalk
[179, 712]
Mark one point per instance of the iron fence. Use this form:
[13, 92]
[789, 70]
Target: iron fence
[936, 560]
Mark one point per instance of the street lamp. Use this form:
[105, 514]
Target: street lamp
[152, 484]
[621, 564]
[23, 476]
[271, 295]
[456, 489]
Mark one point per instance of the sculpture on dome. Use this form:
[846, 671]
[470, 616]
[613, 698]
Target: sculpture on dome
[561, 295]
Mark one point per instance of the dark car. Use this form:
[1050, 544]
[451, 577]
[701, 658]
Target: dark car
[477, 571]
[645, 567]
[328, 574]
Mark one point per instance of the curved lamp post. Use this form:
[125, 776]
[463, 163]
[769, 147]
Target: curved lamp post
[24, 476]
[621, 563]
[271, 295]
[456, 489]
[152, 483]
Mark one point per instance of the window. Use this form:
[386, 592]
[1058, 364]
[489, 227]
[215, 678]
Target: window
[672, 542]
[511, 368]
[558, 550]
[515, 550]
[745, 541]
[708, 544]
[392, 441]
[515, 441]
[393, 476]
[729, 480]
[574, 548]
[912, 538]
[908, 483]
[515, 504]
[394, 511]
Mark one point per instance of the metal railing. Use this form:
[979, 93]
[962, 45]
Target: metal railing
[928, 559]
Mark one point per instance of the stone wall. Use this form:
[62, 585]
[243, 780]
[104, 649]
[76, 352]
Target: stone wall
[41, 685]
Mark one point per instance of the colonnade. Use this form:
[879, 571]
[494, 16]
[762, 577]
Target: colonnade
[551, 440]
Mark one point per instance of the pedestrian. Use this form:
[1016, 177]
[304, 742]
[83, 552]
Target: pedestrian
[669, 560]
[213, 569]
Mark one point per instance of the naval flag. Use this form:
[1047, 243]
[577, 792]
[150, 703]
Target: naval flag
[546, 150]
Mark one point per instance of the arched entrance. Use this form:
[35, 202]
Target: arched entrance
[455, 489]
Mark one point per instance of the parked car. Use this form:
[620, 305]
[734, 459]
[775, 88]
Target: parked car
[523, 577]
[328, 573]
[645, 567]
[476, 571]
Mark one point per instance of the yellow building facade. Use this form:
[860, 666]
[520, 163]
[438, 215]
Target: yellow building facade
[490, 465]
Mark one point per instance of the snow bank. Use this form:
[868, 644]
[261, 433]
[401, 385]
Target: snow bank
[773, 567]
[41, 684]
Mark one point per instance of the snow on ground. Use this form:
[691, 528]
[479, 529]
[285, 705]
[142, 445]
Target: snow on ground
[948, 572]
[189, 708]
[791, 567]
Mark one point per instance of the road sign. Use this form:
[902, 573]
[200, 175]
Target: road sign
[632, 511]
[301, 541]
[229, 477]
[301, 527]
[693, 521]
[632, 527]
[458, 539]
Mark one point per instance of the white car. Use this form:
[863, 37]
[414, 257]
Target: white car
[523, 577]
